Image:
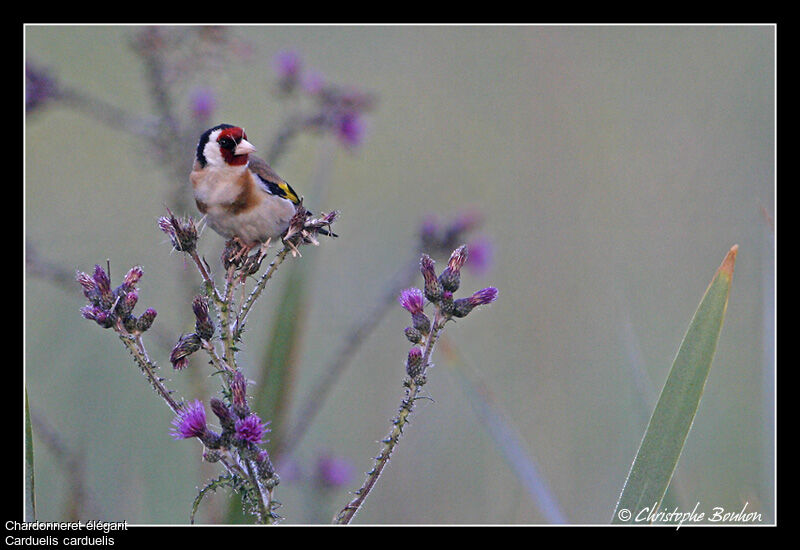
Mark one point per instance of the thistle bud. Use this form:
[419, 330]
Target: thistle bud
[131, 278]
[433, 289]
[89, 287]
[203, 323]
[187, 345]
[182, 232]
[414, 362]
[463, 306]
[414, 336]
[130, 323]
[450, 278]
[103, 286]
[222, 411]
[146, 320]
[239, 394]
[446, 305]
[97, 314]
[126, 304]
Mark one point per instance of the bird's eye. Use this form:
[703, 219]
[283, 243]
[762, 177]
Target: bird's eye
[226, 143]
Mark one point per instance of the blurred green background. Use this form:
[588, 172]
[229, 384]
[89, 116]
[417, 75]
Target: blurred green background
[614, 167]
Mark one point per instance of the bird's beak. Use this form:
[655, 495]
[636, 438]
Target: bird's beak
[243, 148]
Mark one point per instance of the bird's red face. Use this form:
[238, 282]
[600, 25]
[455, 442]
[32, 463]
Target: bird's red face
[234, 147]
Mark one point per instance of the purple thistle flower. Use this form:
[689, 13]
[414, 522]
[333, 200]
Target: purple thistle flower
[334, 472]
[412, 300]
[251, 429]
[190, 422]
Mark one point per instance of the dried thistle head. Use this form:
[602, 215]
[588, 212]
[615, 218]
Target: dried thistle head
[182, 231]
[303, 228]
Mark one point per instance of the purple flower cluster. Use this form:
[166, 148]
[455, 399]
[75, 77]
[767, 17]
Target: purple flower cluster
[114, 307]
[442, 238]
[438, 290]
[340, 110]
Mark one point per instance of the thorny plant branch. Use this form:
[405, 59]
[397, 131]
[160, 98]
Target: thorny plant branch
[413, 388]
[438, 291]
[237, 448]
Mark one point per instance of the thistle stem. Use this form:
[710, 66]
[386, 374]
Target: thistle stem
[148, 369]
[347, 513]
[256, 292]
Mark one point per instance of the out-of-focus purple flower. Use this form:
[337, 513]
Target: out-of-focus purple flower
[351, 129]
[40, 87]
[412, 300]
[203, 103]
[481, 254]
[190, 422]
[313, 82]
[333, 471]
[429, 231]
[464, 221]
[287, 64]
[251, 429]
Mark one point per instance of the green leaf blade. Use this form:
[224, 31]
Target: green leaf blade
[674, 414]
[30, 495]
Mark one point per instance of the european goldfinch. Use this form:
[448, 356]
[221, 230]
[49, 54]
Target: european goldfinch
[240, 195]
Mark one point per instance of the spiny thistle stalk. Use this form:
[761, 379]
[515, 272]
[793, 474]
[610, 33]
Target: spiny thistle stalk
[237, 447]
[423, 334]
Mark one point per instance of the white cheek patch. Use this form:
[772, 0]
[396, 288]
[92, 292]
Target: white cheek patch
[212, 154]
